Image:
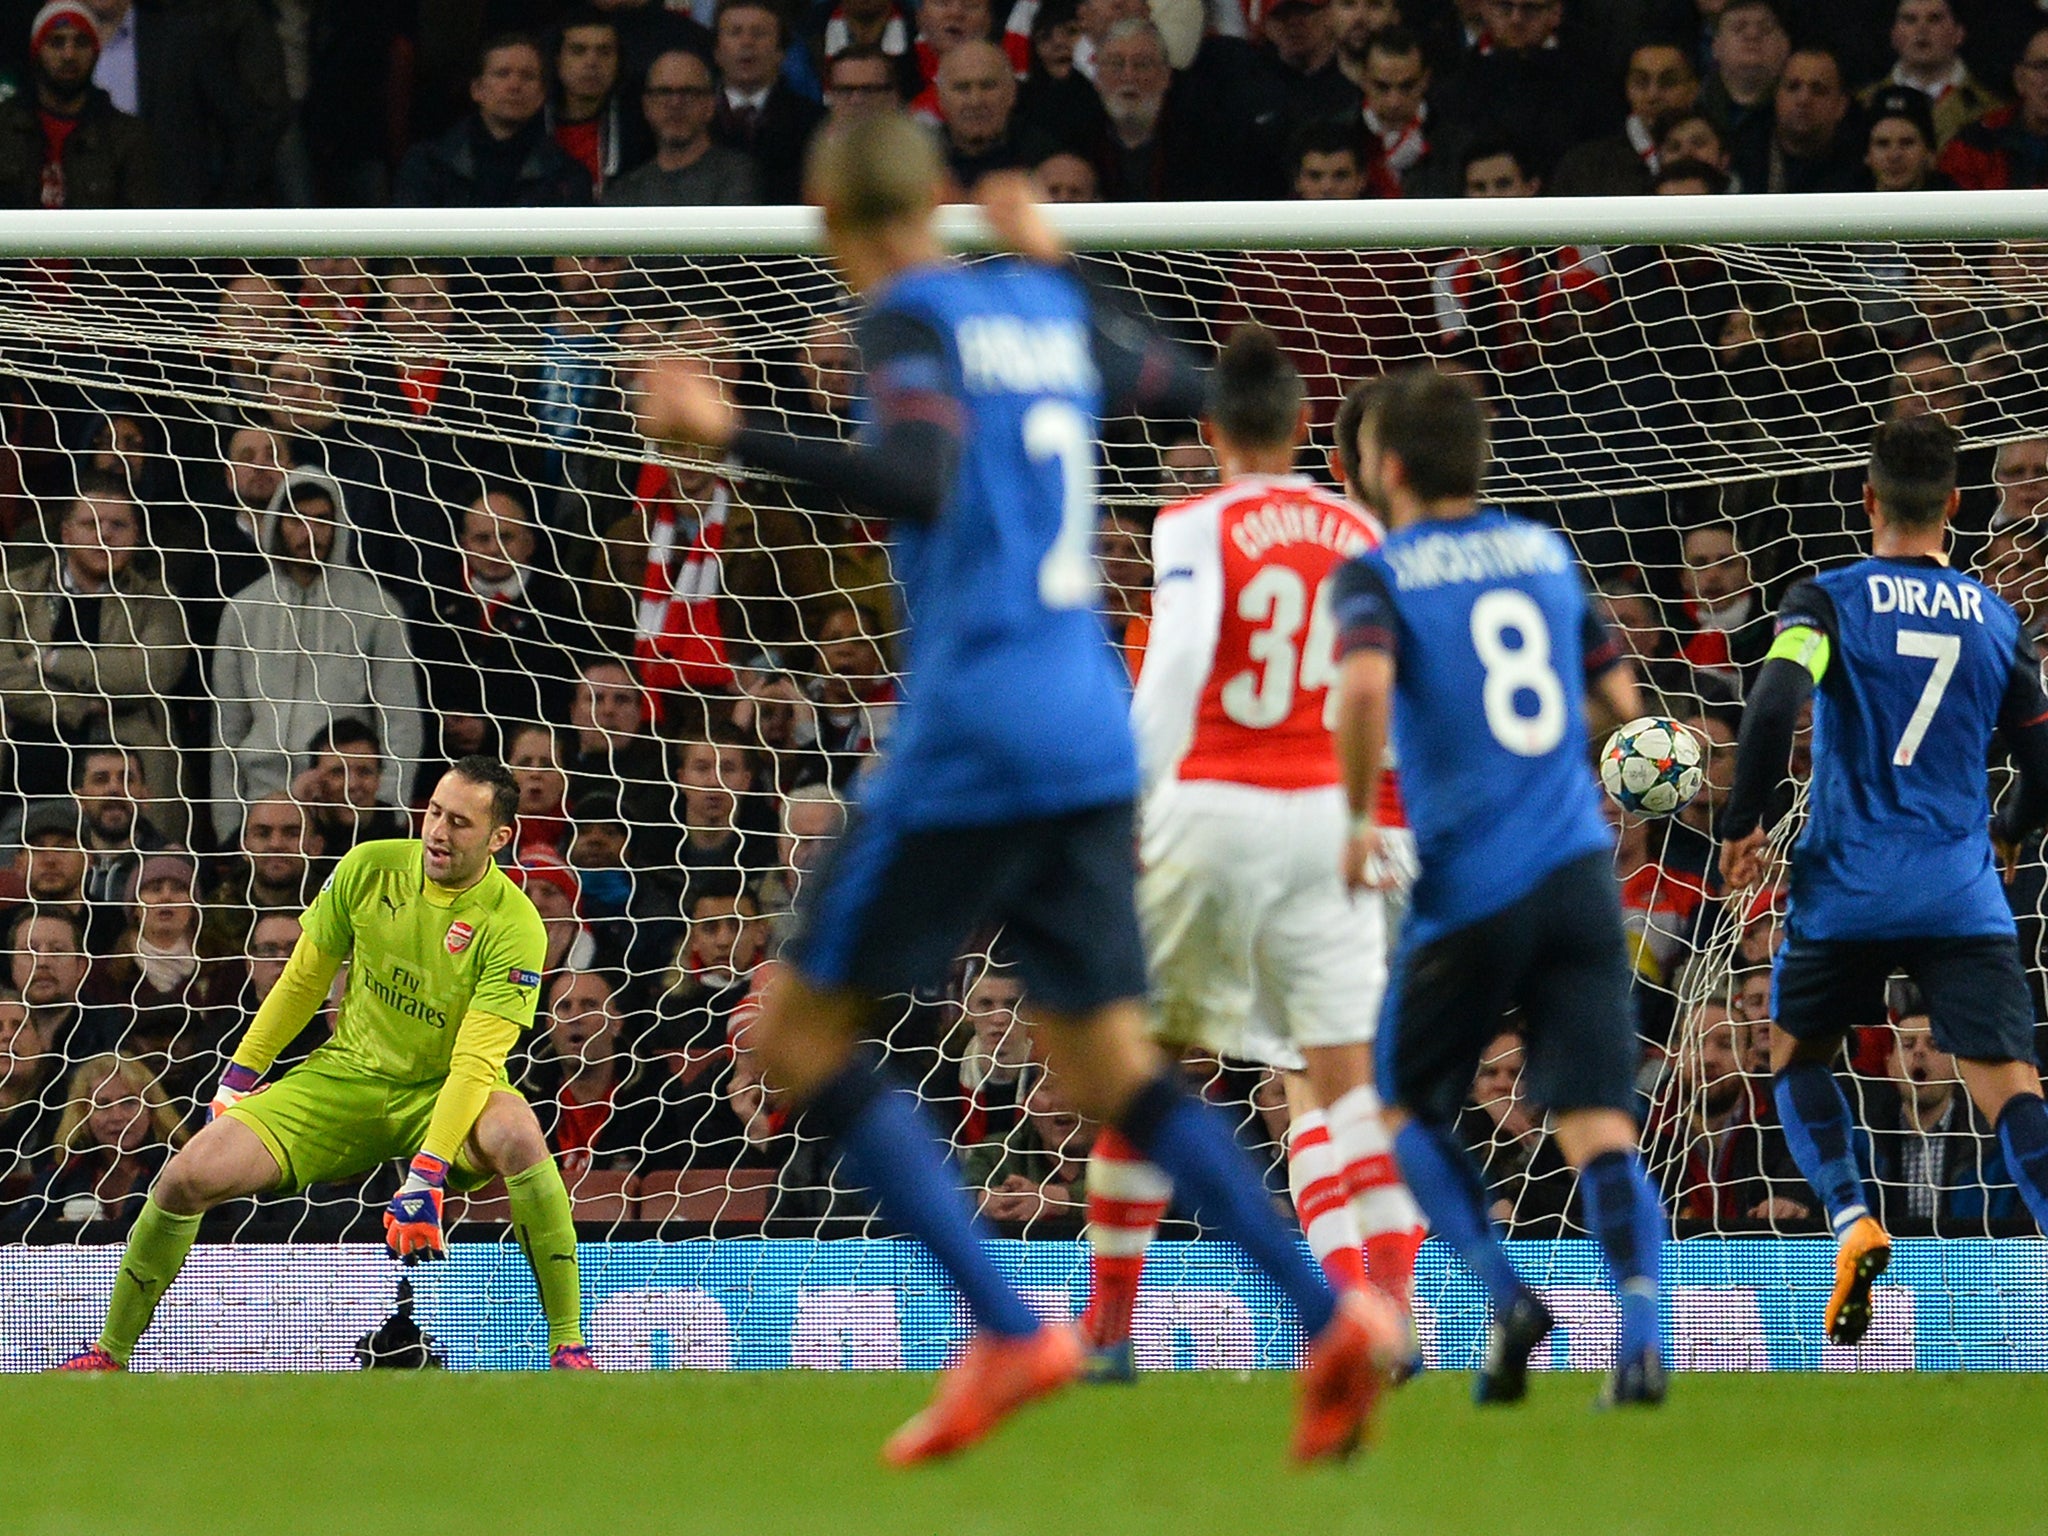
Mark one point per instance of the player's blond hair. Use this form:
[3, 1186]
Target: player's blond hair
[134, 1078]
[874, 171]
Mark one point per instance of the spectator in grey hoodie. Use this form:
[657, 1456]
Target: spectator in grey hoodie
[313, 641]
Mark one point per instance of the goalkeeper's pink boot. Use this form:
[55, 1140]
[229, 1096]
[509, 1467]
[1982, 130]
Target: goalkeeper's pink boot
[571, 1357]
[92, 1358]
[995, 1378]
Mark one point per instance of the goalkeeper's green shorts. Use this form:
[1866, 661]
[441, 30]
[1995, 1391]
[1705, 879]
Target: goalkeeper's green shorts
[322, 1124]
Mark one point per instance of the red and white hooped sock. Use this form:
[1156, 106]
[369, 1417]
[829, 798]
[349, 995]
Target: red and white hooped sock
[1127, 1198]
[1316, 1178]
[1389, 1222]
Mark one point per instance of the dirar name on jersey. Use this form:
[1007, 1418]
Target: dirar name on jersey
[1928, 599]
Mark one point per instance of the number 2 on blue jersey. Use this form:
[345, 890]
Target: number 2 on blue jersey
[1056, 433]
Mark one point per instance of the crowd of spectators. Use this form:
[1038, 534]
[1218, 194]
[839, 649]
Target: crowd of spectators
[243, 627]
[527, 103]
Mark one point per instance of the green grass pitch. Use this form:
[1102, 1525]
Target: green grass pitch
[793, 1454]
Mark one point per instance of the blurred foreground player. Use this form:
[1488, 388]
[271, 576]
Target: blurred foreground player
[1470, 630]
[1005, 795]
[1257, 950]
[444, 959]
[1912, 669]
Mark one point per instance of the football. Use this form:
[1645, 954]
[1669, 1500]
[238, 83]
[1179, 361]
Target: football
[1652, 766]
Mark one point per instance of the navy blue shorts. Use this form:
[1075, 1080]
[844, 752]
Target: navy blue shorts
[890, 907]
[1559, 955]
[1978, 1002]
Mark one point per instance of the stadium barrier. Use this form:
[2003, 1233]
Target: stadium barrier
[750, 1304]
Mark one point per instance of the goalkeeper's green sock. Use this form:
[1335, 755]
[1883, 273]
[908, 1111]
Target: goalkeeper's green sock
[546, 1228]
[156, 1252]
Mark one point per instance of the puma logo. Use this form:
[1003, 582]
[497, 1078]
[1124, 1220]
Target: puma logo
[145, 1284]
[391, 901]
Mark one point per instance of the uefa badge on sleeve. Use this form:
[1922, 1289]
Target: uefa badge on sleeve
[459, 935]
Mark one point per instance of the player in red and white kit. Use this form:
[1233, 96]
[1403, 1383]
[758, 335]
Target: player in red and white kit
[1257, 951]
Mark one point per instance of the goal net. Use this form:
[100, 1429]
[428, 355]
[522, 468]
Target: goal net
[295, 512]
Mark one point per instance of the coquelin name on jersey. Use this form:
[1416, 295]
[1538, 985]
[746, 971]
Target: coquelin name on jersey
[1289, 523]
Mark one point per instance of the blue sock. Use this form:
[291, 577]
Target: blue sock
[1816, 1120]
[1447, 1187]
[888, 1145]
[1193, 1144]
[1627, 1218]
[2023, 1134]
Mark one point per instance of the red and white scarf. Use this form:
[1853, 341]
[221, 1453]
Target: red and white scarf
[1404, 145]
[679, 640]
[839, 36]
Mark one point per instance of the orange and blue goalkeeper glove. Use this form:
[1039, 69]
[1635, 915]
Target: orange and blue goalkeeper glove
[236, 1084]
[412, 1221]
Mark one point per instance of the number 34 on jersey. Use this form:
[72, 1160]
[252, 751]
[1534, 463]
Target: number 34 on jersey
[1237, 675]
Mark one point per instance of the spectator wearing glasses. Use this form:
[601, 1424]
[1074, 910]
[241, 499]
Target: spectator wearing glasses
[861, 81]
[874, 29]
[688, 169]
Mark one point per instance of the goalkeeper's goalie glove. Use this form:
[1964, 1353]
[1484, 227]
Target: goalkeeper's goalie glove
[412, 1221]
[236, 1084]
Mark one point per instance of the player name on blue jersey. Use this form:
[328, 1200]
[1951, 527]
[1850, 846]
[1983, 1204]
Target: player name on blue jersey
[1479, 554]
[1928, 599]
[1000, 352]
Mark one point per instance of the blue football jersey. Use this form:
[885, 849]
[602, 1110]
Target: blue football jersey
[1923, 664]
[1493, 641]
[1014, 704]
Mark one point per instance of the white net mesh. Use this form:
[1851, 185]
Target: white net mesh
[294, 533]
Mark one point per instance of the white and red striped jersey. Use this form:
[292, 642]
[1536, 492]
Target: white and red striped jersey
[1236, 682]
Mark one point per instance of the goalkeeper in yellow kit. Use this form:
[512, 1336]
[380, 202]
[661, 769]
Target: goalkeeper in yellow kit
[444, 956]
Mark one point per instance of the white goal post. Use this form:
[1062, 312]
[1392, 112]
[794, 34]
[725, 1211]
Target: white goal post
[1686, 384]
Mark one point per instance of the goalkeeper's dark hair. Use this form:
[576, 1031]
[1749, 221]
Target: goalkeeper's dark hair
[1434, 424]
[1255, 392]
[497, 778]
[1913, 469]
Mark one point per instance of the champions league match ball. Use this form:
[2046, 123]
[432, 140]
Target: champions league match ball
[1651, 766]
